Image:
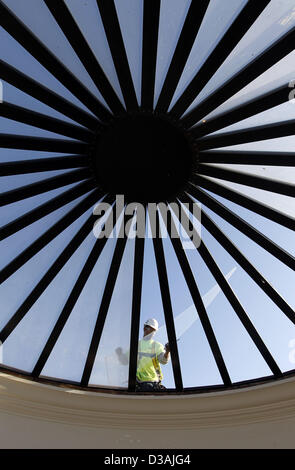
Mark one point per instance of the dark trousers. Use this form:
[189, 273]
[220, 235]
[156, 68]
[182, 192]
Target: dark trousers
[149, 387]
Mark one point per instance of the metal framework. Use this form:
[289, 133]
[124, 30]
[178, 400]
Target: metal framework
[84, 135]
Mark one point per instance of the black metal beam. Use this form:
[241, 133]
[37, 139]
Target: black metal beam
[47, 278]
[151, 15]
[22, 142]
[243, 111]
[248, 158]
[43, 186]
[70, 303]
[49, 235]
[71, 30]
[244, 136]
[244, 201]
[167, 304]
[273, 54]
[113, 33]
[104, 306]
[46, 208]
[231, 38]
[257, 277]
[190, 29]
[254, 181]
[22, 34]
[42, 121]
[197, 299]
[135, 313]
[38, 165]
[45, 95]
[244, 227]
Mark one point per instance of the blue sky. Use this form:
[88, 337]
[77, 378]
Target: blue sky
[22, 348]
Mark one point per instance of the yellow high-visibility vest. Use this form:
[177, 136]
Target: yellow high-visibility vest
[148, 365]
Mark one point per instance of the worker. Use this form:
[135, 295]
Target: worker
[150, 355]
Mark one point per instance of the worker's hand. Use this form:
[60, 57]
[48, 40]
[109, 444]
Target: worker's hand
[119, 351]
[167, 347]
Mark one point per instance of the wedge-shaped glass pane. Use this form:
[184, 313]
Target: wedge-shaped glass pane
[272, 24]
[218, 18]
[17, 287]
[151, 304]
[15, 244]
[69, 354]
[24, 345]
[88, 18]
[107, 369]
[198, 367]
[279, 202]
[275, 329]
[8, 183]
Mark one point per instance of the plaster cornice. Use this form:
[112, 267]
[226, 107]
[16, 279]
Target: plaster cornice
[261, 403]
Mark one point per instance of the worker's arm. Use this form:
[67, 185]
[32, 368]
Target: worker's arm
[164, 356]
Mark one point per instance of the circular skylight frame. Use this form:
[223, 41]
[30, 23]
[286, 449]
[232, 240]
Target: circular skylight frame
[81, 150]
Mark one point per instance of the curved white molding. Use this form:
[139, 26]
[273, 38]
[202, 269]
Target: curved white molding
[261, 403]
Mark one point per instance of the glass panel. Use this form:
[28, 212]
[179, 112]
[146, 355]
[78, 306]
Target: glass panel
[88, 18]
[19, 208]
[107, 369]
[130, 14]
[25, 344]
[279, 202]
[277, 18]
[197, 362]
[67, 359]
[9, 126]
[18, 286]
[218, 18]
[14, 54]
[276, 330]
[15, 96]
[151, 303]
[15, 244]
[274, 231]
[170, 25]
[8, 183]
[49, 33]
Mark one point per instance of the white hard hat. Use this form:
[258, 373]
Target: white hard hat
[153, 323]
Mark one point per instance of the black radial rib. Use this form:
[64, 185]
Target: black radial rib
[38, 91]
[32, 118]
[236, 305]
[193, 21]
[254, 181]
[248, 158]
[38, 165]
[22, 142]
[273, 54]
[151, 15]
[242, 226]
[243, 136]
[231, 38]
[113, 33]
[197, 299]
[43, 186]
[244, 201]
[104, 306]
[47, 278]
[255, 275]
[49, 235]
[46, 208]
[71, 30]
[22, 34]
[167, 304]
[135, 313]
[250, 108]
[71, 301]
